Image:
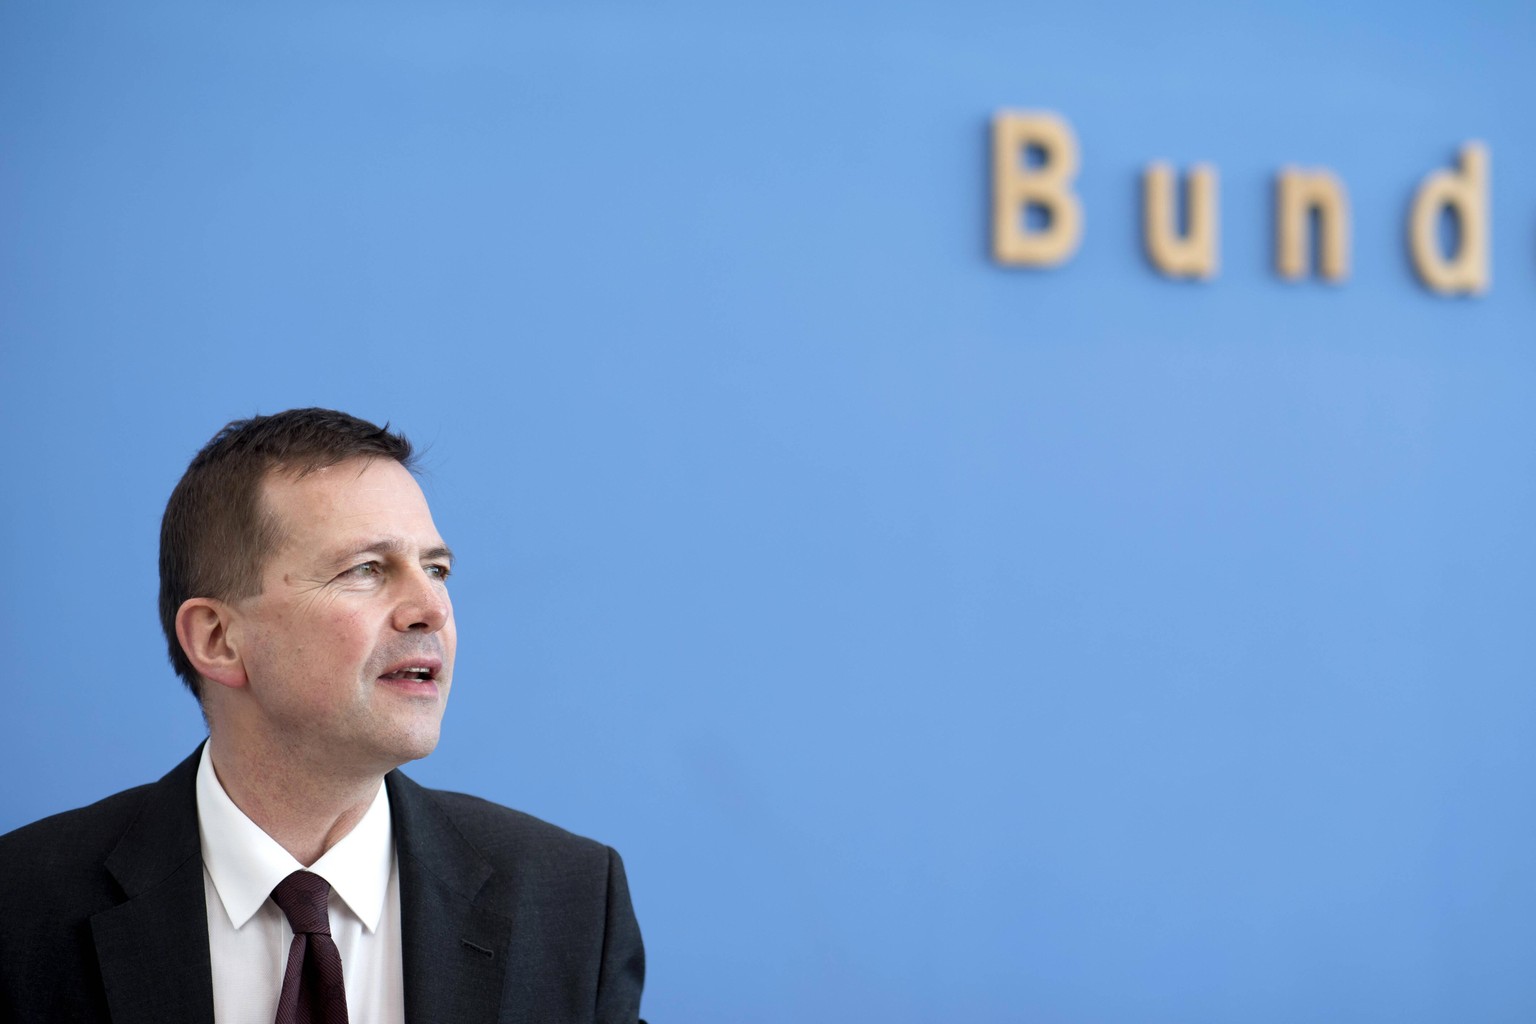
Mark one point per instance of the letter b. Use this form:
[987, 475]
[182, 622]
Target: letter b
[1017, 186]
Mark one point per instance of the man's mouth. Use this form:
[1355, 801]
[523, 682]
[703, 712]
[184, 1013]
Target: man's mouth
[413, 673]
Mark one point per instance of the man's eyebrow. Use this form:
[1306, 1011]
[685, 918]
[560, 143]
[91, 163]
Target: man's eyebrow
[392, 546]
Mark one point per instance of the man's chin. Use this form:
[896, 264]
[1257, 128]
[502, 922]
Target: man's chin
[416, 747]
[405, 739]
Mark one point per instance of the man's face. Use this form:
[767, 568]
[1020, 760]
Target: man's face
[348, 648]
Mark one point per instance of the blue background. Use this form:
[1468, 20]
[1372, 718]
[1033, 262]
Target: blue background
[936, 641]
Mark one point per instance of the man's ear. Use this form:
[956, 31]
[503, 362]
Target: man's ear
[203, 626]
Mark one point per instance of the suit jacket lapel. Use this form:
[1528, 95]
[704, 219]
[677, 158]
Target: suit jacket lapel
[153, 947]
[454, 951]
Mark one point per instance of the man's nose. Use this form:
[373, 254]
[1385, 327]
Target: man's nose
[424, 606]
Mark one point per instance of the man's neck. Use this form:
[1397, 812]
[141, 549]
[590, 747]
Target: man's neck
[306, 809]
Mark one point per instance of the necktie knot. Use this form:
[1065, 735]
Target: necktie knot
[304, 897]
[313, 991]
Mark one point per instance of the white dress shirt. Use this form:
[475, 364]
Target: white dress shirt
[248, 936]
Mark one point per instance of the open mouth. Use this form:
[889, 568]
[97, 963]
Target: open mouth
[412, 673]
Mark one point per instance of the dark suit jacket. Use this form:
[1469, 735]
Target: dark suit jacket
[504, 917]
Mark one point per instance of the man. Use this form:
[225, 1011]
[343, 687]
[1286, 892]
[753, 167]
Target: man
[286, 871]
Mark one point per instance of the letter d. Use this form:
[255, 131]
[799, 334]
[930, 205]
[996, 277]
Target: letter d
[1465, 192]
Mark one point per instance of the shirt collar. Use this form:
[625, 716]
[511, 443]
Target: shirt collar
[246, 864]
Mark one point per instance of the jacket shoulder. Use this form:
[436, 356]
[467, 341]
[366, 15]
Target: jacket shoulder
[55, 879]
[74, 862]
[504, 835]
[63, 847]
[563, 899]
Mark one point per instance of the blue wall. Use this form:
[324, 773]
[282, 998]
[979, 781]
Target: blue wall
[938, 642]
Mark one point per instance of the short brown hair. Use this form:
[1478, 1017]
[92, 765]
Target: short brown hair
[215, 537]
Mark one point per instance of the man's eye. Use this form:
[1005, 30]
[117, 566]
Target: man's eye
[365, 569]
[440, 572]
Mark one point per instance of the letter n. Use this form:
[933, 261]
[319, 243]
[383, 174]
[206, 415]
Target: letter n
[1297, 194]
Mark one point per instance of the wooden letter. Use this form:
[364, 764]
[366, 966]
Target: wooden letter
[1017, 187]
[1194, 253]
[1297, 194]
[1465, 193]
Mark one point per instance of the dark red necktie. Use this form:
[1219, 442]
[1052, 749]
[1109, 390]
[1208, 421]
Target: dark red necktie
[312, 989]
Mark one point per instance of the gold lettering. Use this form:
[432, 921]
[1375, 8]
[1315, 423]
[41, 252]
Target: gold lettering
[1465, 193]
[1018, 187]
[1297, 194]
[1193, 253]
